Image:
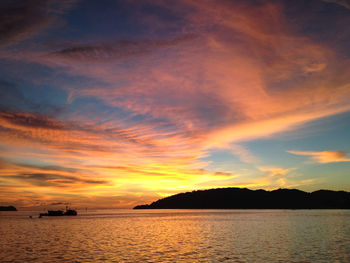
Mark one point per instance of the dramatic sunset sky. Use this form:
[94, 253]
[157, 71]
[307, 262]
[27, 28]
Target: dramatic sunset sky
[114, 103]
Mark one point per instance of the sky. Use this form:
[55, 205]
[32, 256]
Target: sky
[115, 103]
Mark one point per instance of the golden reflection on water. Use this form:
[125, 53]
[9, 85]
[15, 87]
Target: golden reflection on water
[178, 236]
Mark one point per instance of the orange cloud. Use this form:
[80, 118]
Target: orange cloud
[324, 156]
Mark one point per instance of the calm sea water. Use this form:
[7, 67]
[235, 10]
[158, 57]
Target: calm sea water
[177, 236]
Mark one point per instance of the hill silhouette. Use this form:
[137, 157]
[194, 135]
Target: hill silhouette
[243, 198]
[8, 208]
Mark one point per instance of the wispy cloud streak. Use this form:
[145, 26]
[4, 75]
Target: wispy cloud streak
[345, 3]
[22, 19]
[119, 50]
[324, 156]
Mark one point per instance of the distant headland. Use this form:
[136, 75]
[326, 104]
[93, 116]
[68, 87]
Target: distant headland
[243, 198]
[8, 208]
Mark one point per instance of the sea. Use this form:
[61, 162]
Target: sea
[177, 236]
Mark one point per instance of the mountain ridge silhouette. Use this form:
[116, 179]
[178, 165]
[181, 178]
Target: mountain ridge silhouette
[243, 198]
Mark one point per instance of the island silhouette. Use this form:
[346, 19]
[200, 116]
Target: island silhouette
[8, 208]
[243, 198]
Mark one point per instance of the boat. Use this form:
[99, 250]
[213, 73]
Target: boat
[68, 212]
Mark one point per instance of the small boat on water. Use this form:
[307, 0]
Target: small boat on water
[68, 212]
